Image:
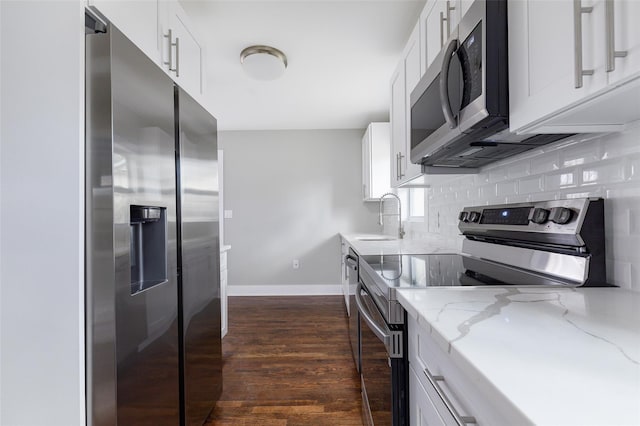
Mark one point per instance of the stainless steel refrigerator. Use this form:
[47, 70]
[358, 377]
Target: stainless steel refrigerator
[152, 242]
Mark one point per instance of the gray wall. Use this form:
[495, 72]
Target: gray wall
[291, 193]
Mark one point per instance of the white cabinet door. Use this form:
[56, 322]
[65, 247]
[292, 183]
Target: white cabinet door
[182, 53]
[375, 161]
[433, 30]
[404, 79]
[422, 411]
[137, 19]
[626, 32]
[412, 59]
[412, 74]
[398, 124]
[366, 165]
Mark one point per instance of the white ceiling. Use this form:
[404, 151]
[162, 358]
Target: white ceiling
[341, 55]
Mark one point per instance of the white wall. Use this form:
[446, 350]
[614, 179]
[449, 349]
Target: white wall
[41, 213]
[291, 193]
[605, 166]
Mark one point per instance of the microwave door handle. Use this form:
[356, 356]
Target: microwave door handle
[444, 84]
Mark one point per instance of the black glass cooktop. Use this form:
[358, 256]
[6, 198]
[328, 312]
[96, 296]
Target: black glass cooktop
[444, 270]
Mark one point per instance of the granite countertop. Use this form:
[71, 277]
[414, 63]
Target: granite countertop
[396, 246]
[558, 355]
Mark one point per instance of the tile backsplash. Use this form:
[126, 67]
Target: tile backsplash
[606, 166]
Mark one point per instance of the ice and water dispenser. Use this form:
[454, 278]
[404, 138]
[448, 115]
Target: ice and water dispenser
[148, 247]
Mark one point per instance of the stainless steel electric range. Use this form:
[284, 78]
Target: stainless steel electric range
[548, 243]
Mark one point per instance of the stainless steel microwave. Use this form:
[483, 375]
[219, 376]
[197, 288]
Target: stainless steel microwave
[460, 107]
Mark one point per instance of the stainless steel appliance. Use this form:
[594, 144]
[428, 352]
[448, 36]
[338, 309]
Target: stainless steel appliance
[351, 265]
[460, 107]
[152, 244]
[547, 243]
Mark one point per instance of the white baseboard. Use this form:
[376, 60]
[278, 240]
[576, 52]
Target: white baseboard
[285, 290]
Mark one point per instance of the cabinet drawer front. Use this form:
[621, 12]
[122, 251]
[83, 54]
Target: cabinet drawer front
[424, 353]
[423, 410]
[466, 391]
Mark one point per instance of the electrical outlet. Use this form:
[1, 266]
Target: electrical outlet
[296, 264]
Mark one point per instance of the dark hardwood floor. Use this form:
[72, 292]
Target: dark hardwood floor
[287, 361]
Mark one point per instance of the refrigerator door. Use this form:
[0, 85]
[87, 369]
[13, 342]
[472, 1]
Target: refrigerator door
[133, 159]
[201, 345]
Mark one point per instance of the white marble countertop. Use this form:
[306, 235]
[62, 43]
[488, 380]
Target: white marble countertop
[395, 246]
[559, 356]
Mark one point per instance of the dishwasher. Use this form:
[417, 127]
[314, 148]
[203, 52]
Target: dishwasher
[352, 268]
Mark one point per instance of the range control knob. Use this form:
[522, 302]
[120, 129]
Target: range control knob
[539, 216]
[560, 215]
[463, 217]
[474, 217]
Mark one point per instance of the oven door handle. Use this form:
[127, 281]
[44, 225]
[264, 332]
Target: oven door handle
[382, 332]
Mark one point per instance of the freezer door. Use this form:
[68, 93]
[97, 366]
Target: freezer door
[201, 345]
[133, 161]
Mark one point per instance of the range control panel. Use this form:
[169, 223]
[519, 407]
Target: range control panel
[554, 216]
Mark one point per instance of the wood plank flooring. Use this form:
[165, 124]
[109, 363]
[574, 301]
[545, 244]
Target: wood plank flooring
[287, 361]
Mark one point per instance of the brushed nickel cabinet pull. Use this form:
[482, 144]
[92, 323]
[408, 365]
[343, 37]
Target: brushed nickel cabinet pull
[610, 29]
[460, 420]
[578, 11]
[169, 36]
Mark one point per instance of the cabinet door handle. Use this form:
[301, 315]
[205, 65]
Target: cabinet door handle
[578, 10]
[448, 18]
[400, 157]
[397, 166]
[610, 29]
[442, 19]
[177, 57]
[364, 191]
[169, 36]
[460, 420]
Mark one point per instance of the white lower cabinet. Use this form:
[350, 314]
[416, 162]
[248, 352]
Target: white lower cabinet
[450, 397]
[423, 412]
[224, 318]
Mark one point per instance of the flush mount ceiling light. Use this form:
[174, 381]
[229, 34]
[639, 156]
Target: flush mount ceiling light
[263, 62]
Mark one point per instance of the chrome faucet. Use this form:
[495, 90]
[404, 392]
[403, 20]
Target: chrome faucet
[399, 214]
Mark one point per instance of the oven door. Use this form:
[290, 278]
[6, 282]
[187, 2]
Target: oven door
[383, 366]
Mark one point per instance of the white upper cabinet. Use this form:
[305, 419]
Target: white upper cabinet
[626, 38]
[403, 82]
[137, 19]
[398, 126]
[375, 161]
[438, 20]
[567, 60]
[182, 53]
[161, 29]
